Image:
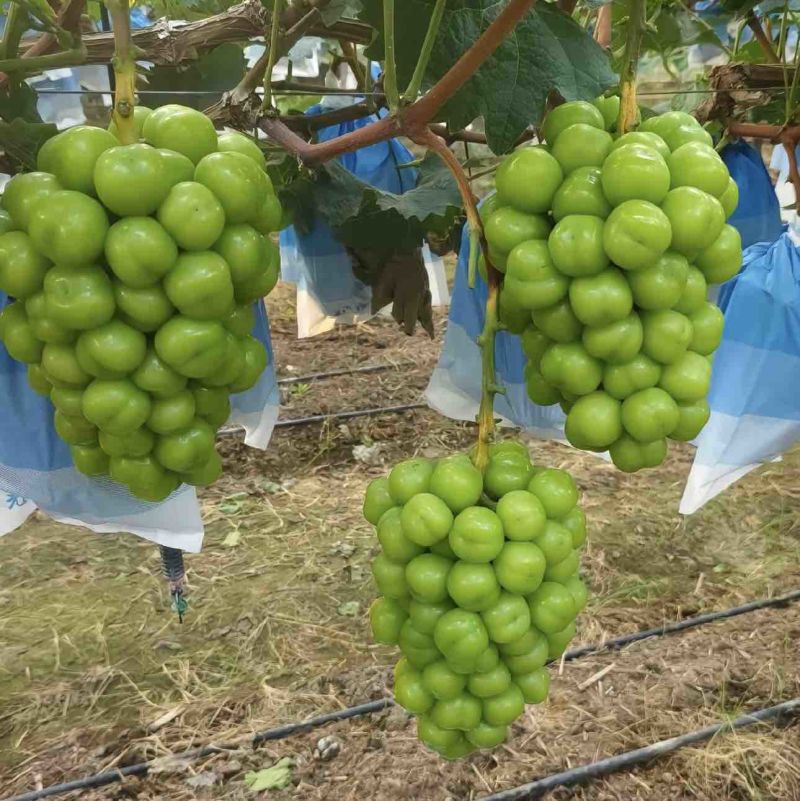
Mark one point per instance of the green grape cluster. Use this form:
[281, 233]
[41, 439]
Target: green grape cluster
[479, 586]
[133, 270]
[607, 245]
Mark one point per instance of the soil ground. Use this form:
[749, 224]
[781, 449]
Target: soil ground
[96, 672]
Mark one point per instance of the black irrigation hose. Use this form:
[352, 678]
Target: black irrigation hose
[142, 768]
[371, 707]
[629, 759]
[321, 418]
[682, 625]
[372, 368]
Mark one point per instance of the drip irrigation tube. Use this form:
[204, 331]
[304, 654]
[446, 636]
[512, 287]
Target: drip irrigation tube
[321, 418]
[142, 768]
[683, 625]
[372, 368]
[573, 776]
[629, 759]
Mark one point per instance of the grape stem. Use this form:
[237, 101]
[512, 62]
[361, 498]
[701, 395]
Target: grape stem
[486, 341]
[390, 62]
[66, 58]
[789, 141]
[16, 23]
[272, 55]
[602, 31]
[68, 20]
[124, 62]
[754, 23]
[412, 120]
[786, 135]
[350, 55]
[263, 68]
[630, 61]
[415, 84]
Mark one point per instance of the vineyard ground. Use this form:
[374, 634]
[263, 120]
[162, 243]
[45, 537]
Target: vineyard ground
[95, 672]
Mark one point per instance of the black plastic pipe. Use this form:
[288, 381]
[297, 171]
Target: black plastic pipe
[321, 418]
[629, 759]
[371, 707]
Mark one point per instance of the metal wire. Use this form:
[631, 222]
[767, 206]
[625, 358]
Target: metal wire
[372, 707]
[359, 93]
[629, 759]
[200, 92]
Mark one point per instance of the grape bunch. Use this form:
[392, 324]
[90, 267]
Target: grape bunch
[479, 586]
[134, 270]
[607, 245]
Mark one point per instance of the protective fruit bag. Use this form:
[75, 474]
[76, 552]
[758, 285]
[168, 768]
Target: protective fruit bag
[758, 215]
[755, 388]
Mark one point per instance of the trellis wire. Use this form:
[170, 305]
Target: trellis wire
[200, 92]
[357, 93]
[523, 792]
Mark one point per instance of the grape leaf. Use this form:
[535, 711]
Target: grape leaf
[217, 70]
[677, 26]
[365, 217]
[740, 8]
[547, 50]
[336, 9]
[20, 141]
[18, 100]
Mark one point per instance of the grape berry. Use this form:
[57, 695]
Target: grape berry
[479, 586]
[607, 245]
[134, 271]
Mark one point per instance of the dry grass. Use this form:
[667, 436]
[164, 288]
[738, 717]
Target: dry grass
[95, 672]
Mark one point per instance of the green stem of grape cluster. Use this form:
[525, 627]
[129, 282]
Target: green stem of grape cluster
[415, 84]
[274, 34]
[66, 58]
[489, 386]
[124, 71]
[633, 42]
[390, 64]
[16, 24]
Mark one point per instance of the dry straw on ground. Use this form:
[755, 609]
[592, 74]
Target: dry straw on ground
[96, 673]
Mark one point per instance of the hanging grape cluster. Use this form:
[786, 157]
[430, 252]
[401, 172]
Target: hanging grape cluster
[607, 245]
[134, 270]
[479, 586]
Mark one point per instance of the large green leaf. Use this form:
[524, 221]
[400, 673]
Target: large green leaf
[365, 217]
[217, 70]
[20, 141]
[18, 100]
[547, 50]
[677, 26]
[336, 9]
